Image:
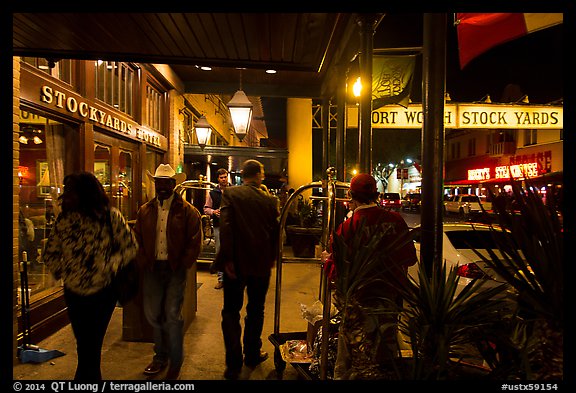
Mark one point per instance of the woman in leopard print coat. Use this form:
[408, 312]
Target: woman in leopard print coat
[78, 252]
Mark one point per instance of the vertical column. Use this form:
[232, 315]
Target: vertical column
[341, 126]
[325, 134]
[10, 177]
[367, 25]
[341, 122]
[299, 141]
[175, 150]
[433, 80]
[87, 147]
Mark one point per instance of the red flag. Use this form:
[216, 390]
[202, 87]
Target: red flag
[478, 32]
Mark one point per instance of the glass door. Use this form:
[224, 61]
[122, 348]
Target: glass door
[116, 165]
[103, 166]
[125, 192]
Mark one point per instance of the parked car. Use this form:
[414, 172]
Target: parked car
[391, 200]
[465, 205]
[459, 240]
[412, 202]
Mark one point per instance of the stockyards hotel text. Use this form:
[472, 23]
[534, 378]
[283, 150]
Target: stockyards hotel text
[101, 387]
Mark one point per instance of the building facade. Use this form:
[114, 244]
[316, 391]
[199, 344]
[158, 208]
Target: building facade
[117, 120]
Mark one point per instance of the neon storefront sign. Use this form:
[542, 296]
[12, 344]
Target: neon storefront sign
[516, 171]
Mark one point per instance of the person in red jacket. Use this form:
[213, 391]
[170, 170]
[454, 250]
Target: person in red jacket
[363, 195]
[396, 252]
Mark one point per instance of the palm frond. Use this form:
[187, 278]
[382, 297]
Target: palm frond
[437, 321]
[532, 255]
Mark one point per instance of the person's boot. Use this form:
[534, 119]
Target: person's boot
[253, 362]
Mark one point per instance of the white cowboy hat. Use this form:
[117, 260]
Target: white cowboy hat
[165, 171]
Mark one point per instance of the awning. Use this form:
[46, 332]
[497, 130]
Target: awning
[550, 177]
[547, 177]
[464, 182]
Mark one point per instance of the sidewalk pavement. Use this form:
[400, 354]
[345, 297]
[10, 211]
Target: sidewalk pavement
[203, 343]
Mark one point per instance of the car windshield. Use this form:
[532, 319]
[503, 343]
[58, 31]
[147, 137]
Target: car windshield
[473, 239]
[471, 198]
[391, 196]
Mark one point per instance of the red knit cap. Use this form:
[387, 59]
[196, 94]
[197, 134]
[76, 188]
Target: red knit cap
[363, 183]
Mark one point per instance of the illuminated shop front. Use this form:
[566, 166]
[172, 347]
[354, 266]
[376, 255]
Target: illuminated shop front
[71, 119]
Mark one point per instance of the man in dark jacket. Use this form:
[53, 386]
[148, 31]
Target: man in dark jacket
[212, 208]
[169, 234]
[249, 231]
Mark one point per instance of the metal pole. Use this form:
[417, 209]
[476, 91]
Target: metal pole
[367, 23]
[326, 297]
[341, 138]
[341, 128]
[433, 81]
[325, 133]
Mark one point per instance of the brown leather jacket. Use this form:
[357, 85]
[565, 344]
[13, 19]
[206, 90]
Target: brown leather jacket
[248, 230]
[184, 233]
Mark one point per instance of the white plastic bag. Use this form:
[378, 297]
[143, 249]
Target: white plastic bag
[313, 313]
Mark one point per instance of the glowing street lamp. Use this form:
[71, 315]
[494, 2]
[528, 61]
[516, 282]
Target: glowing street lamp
[203, 131]
[241, 113]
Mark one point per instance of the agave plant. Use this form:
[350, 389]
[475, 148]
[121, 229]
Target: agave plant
[441, 326]
[307, 213]
[532, 257]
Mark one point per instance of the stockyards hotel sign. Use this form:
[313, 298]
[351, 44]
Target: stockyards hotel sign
[90, 111]
[70, 103]
[488, 116]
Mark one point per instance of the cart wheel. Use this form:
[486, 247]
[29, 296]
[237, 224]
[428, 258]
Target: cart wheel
[279, 363]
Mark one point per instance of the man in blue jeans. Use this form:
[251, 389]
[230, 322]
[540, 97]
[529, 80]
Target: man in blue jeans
[169, 234]
[249, 231]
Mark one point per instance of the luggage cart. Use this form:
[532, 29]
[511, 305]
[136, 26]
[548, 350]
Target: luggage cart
[207, 226]
[278, 338]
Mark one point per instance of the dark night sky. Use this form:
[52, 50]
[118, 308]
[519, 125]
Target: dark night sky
[533, 63]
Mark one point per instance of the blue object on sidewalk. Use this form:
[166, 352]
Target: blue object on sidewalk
[28, 352]
[37, 355]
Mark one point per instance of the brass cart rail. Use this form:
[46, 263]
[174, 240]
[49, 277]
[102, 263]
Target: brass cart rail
[278, 338]
[207, 227]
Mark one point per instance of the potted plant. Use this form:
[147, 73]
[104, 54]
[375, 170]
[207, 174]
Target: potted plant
[472, 334]
[305, 233]
[533, 264]
[439, 329]
[443, 328]
[523, 343]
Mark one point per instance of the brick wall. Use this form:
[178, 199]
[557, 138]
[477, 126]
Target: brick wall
[175, 151]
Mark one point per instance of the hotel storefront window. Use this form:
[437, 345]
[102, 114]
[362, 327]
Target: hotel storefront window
[74, 118]
[45, 144]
